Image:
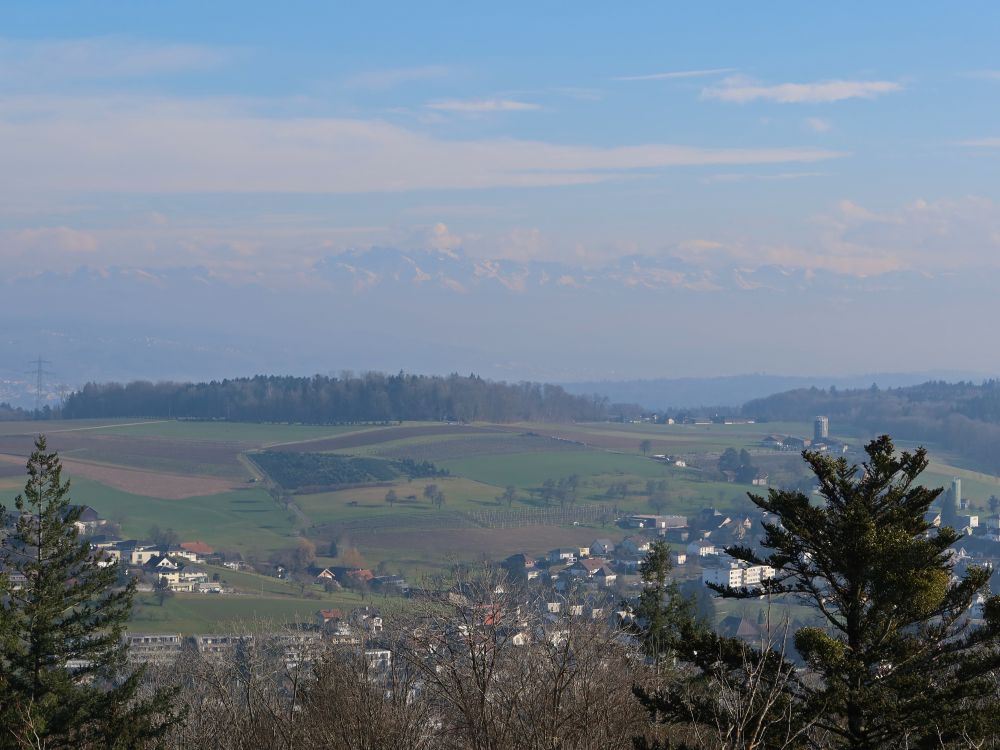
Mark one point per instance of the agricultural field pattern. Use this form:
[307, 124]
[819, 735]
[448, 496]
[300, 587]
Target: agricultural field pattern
[477, 495]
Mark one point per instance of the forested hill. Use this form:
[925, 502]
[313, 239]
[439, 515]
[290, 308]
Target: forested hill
[320, 399]
[964, 417]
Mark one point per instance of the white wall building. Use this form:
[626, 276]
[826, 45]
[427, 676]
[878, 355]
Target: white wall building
[737, 575]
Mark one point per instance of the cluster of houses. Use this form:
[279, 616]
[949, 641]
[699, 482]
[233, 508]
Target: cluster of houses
[690, 419]
[301, 642]
[796, 444]
[336, 577]
[175, 567]
[603, 563]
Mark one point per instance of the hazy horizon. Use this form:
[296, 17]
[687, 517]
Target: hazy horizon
[616, 193]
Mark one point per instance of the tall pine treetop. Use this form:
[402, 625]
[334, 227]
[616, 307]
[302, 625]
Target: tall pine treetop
[897, 648]
[64, 680]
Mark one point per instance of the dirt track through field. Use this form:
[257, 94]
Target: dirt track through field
[373, 437]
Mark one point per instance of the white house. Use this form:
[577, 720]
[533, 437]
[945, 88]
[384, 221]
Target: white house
[702, 548]
[564, 554]
[737, 574]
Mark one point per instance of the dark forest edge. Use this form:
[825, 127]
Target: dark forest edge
[962, 417]
[368, 397]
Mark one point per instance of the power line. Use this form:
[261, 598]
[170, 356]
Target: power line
[39, 372]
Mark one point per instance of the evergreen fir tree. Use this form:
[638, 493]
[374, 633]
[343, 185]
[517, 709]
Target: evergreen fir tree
[700, 665]
[898, 658]
[64, 680]
[662, 614]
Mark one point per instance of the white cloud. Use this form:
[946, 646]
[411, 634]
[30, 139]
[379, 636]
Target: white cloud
[923, 237]
[52, 238]
[386, 79]
[149, 145]
[926, 237]
[482, 105]
[701, 245]
[819, 124]
[674, 74]
[441, 238]
[821, 92]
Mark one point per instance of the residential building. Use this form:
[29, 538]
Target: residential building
[634, 546]
[150, 648]
[564, 554]
[645, 521]
[969, 520]
[702, 548]
[593, 569]
[600, 547]
[329, 616]
[737, 574]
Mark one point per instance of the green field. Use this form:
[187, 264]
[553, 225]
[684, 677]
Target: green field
[369, 502]
[410, 536]
[240, 520]
[59, 425]
[976, 486]
[211, 613]
[239, 432]
[528, 470]
[676, 438]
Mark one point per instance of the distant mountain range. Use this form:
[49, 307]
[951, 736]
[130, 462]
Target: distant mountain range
[455, 271]
[433, 311]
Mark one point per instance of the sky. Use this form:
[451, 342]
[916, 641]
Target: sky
[651, 189]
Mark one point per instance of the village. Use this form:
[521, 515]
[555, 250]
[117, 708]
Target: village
[597, 580]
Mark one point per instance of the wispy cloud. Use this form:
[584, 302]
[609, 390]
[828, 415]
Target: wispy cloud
[819, 124]
[744, 176]
[482, 105]
[575, 92]
[390, 78]
[33, 62]
[981, 143]
[986, 75]
[673, 74]
[821, 92]
[157, 145]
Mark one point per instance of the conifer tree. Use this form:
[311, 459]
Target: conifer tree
[64, 680]
[898, 658]
[704, 670]
[663, 615]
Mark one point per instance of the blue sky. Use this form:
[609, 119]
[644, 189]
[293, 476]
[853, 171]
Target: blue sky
[252, 141]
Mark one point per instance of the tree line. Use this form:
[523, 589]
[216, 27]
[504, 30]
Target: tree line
[964, 417]
[350, 398]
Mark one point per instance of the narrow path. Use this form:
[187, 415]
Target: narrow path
[110, 426]
[274, 490]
